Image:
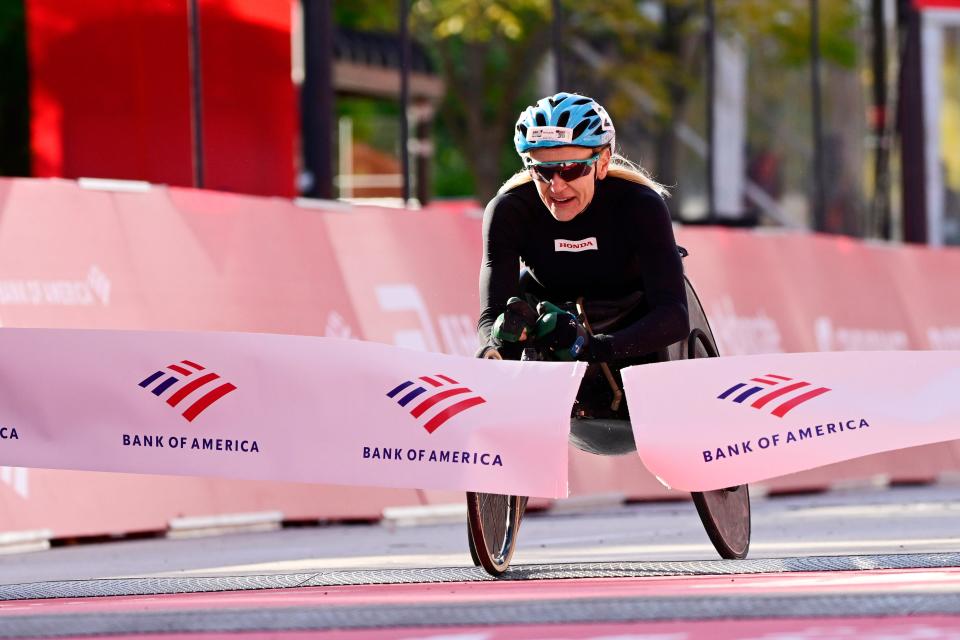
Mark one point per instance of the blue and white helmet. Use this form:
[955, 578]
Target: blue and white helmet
[561, 120]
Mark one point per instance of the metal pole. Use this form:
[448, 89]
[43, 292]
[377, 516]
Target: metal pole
[421, 133]
[345, 152]
[880, 204]
[316, 97]
[404, 98]
[911, 125]
[711, 108]
[819, 184]
[557, 42]
[196, 91]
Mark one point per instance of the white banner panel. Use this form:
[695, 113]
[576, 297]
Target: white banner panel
[277, 407]
[718, 422]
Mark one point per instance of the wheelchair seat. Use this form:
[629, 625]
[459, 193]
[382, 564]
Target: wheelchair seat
[602, 436]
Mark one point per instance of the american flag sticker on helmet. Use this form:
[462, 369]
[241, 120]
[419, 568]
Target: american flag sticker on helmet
[536, 134]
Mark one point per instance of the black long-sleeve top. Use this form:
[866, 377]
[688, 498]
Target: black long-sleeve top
[621, 243]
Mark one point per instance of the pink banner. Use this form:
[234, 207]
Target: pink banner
[273, 407]
[718, 422]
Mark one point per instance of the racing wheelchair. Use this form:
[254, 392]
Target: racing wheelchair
[602, 427]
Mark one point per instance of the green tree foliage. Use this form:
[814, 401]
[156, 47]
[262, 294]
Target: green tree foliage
[783, 29]
[654, 47]
[482, 20]
[487, 50]
[367, 15]
[659, 47]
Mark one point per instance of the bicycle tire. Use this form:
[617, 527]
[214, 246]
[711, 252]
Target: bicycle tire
[725, 513]
[494, 522]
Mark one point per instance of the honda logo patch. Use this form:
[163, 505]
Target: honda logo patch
[587, 244]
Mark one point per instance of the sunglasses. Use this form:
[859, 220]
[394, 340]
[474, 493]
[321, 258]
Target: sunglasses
[568, 170]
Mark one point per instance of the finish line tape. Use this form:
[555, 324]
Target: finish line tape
[278, 407]
[718, 422]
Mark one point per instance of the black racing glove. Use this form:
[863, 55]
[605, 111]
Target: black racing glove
[560, 334]
[516, 324]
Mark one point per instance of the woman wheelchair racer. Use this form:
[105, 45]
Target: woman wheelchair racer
[586, 224]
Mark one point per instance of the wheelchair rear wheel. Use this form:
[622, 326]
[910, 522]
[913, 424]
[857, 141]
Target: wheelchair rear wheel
[494, 521]
[725, 513]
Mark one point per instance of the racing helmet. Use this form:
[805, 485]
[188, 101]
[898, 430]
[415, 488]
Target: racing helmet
[562, 120]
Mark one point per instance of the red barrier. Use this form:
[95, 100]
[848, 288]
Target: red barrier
[110, 89]
[172, 258]
[110, 92]
[87, 503]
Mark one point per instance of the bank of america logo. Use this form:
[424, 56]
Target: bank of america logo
[435, 398]
[782, 392]
[198, 384]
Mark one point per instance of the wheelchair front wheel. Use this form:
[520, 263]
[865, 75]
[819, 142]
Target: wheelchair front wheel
[725, 513]
[494, 521]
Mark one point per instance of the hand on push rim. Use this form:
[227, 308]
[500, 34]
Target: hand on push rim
[560, 334]
[516, 324]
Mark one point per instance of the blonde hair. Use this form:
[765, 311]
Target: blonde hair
[620, 167]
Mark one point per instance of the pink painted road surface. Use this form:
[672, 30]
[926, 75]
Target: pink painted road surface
[912, 628]
[127, 612]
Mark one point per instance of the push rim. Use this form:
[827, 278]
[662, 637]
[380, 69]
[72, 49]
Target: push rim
[473, 546]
